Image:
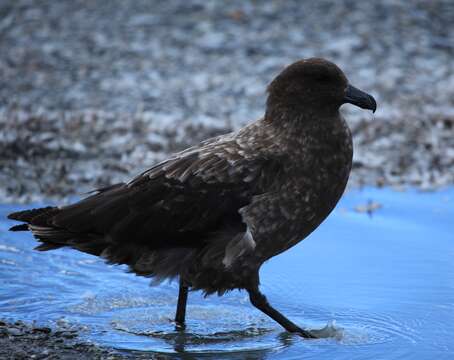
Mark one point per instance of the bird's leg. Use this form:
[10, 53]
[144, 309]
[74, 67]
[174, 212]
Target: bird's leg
[181, 305]
[260, 302]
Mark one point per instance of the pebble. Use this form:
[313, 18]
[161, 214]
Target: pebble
[44, 330]
[14, 332]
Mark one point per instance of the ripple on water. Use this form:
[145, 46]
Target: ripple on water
[400, 304]
[150, 326]
[7, 248]
[139, 323]
[371, 328]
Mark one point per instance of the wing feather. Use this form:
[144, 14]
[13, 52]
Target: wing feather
[180, 202]
[188, 201]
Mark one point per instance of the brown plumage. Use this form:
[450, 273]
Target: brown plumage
[212, 214]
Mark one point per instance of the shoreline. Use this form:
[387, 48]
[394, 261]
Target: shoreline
[21, 340]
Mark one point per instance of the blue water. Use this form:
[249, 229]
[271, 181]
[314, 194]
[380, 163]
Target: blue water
[384, 282]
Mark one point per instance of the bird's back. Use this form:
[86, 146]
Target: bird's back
[231, 202]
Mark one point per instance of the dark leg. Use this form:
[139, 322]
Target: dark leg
[260, 302]
[181, 305]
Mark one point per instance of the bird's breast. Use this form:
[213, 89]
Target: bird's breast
[307, 188]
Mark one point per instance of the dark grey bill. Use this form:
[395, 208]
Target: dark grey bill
[359, 98]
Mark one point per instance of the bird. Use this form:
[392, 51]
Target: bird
[211, 215]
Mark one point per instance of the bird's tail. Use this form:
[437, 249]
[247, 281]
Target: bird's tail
[51, 236]
[36, 216]
[37, 221]
[73, 225]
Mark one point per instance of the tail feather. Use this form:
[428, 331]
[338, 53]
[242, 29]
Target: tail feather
[73, 225]
[29, 215]
[38, 217]
[21, 227]
[51, 237]
[48, 246]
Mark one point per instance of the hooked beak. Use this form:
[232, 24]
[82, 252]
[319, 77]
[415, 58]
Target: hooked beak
[359, 98]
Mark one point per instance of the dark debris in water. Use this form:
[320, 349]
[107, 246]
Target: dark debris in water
[369, 208]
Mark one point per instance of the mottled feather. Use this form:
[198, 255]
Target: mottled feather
[212, 214]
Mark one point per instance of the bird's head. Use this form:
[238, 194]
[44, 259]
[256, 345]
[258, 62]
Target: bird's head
[314, 86]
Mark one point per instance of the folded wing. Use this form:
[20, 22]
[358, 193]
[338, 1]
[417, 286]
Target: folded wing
[184, 202]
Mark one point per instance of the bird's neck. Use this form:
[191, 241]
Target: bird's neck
[299, 121]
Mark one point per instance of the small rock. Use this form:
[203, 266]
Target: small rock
[15, 332]
[45, 352]
[45, 330]
[69, 335]
[20, 354]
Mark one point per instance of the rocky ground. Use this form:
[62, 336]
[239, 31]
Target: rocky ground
[27, 341]
[94, 92]
[22, 341]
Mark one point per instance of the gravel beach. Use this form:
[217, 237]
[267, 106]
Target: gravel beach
[94, 92]
[19, 340]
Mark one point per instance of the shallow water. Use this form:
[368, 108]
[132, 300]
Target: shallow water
[382, 283]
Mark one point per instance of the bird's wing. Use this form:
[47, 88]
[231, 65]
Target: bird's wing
[181, 202]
